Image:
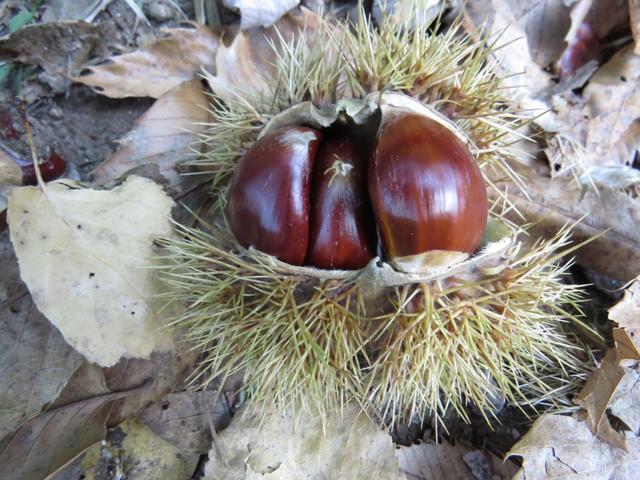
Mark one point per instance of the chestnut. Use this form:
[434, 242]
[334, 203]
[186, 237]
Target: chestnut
[50, 169]
[585, 47]
[343, 233]
[426, 188]
[269, 197]
[323, 198]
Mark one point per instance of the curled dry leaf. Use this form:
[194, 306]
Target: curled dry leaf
[131, 451]
[603, 130]
[545, 24]
[634, 14]
[626, 313]
[36, 361]
[521, 73]
[60, 48]
[157, 67]
[625, 402]
[561, 447]
[260, 14]
[186, 419]
[613, 106]
[400, 11]
[92, 249]
[283, 447]
[162, 373]
[50, 440]
[550, 204]
[443, 461]
[251, 58]
[162, 137]
[10, 176]
[595, 397]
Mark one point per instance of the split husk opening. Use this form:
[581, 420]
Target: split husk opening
[457, 331]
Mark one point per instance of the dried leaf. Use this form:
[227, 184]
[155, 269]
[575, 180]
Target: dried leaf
[50, 440]
[157, 67]
[550, 204]
[60, 48]
[87, 382]
[560, 447]
[613, 105]
[626, 348]
[132, 451]
[10, 176]
[90, 248]
[36, 361]
[10, 172]
[443, 461]
[625, 402]
[163, 137]
[634, 13]
[162, 373]
[76, 10]
[608, 15]
[596, 396]
[401, 12]
[351, 448]
[186, 419]
[521, 73]
[626, 313]
[260, 14]
[545, 24]
[250, 57]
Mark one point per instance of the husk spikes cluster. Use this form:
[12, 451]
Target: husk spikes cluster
[480, 335]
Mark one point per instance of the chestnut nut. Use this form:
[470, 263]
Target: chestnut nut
[317, 198]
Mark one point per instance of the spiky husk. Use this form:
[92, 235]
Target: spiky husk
[451, 72]
[308, 343]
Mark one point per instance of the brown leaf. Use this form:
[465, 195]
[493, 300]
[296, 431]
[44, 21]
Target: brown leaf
[163, 372]
[634, 13]
[604, 15]
[515, 61]
[284, 447]
[131, 451]
[36, 361]
[157, 67]
[186, 419]
[613, 105]
[545, 23]
[443, 461]
[608, 16]
[626, 313]
[60, 48]
[162, 137]
[250, 57]
[596, 396]
[626, 348]
[87, 382]
[561, 447]
[625, 402]
[552, 204]
[51, 439]
[260, 14]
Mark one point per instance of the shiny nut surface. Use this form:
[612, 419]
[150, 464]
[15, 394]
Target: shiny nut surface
[343, 233]
[269, 197]
[426, 188]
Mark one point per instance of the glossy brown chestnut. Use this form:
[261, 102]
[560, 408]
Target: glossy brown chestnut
[585, 47]
[50, 169]
[343, 233]
[269, 197]
[426, 188]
